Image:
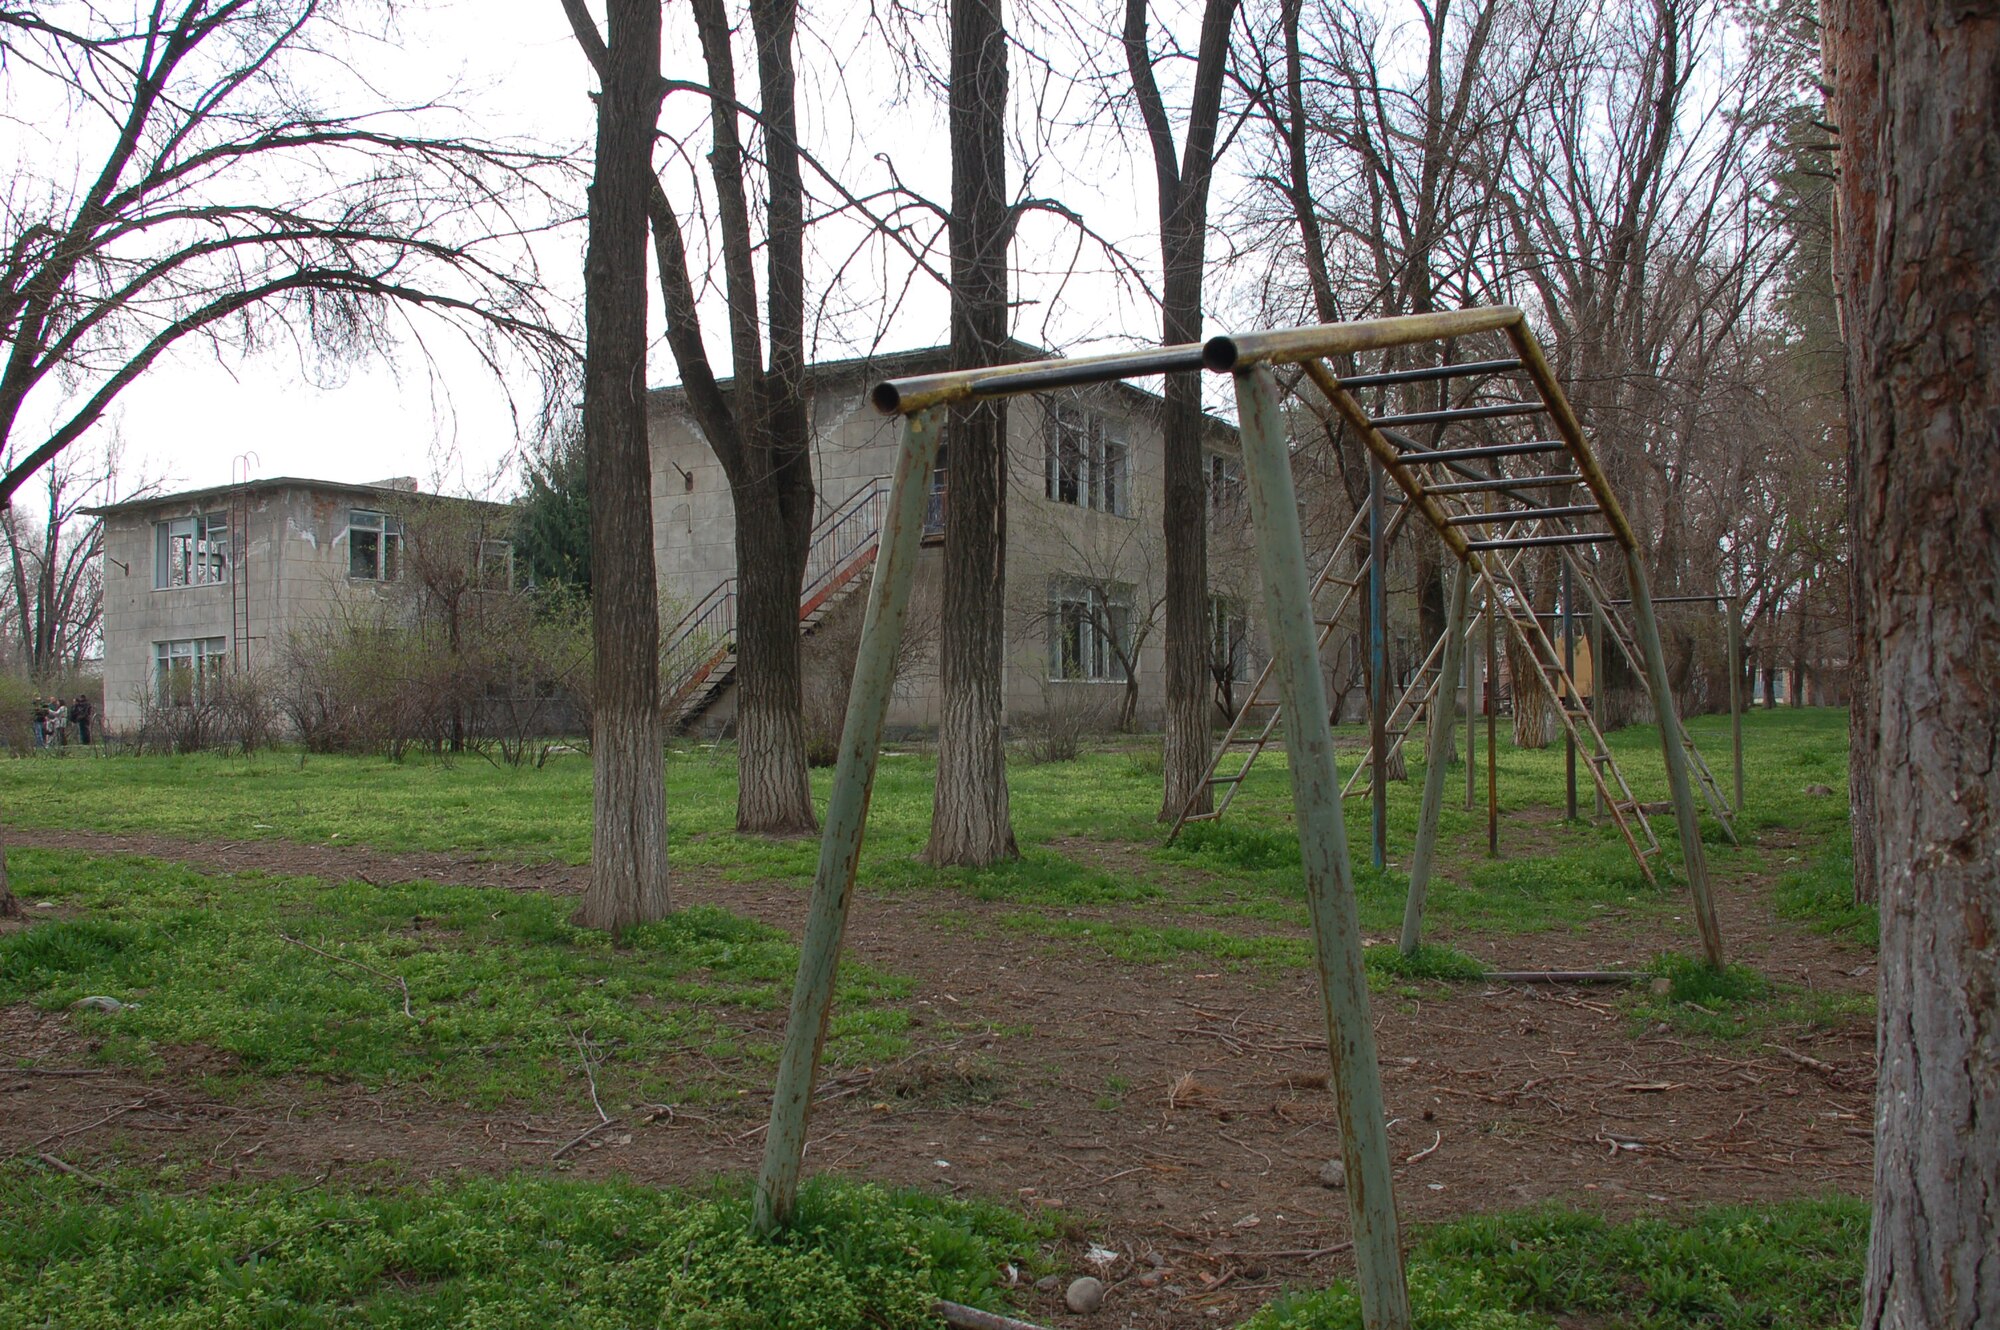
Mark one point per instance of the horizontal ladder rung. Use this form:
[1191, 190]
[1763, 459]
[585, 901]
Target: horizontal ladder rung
[1461, 413]
[1522, 515]
[1434, 372]
[1533, 542]
[1504, 483]
[1426, 456]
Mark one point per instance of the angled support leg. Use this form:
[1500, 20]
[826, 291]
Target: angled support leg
[846, 819]
[1444, 715]
[1678, 785]
[1336, 923]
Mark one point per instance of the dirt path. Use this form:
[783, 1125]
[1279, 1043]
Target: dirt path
[1178, 1109]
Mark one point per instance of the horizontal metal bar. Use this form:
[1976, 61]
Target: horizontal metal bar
[1504, 483]
[1461, 413]
[1428, 456]
[1288, 345]
[1678, 600]
[1522, 514]
[1566, 976]
[1432, 372]
[904, 396]
[1532, 542]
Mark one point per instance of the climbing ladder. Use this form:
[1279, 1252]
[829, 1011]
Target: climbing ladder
[1442, 483]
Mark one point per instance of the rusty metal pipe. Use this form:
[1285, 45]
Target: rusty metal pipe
[903, 396]
[1239, 350]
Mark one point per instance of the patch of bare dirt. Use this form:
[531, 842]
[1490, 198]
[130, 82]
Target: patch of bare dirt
[1179, 1109]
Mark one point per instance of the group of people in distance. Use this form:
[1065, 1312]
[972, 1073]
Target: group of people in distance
[59, 723]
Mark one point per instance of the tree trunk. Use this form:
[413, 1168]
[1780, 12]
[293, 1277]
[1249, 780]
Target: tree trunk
[774, 794]
[1534, 716]
[9, 907]
[1182, 184]
[970, 825]
[628, 862]
[1918, 108]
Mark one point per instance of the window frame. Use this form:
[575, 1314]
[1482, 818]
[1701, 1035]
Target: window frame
[1086, 460]
[202, 560]
[1089, 623]
[387, 534]
[1229, 635]
[204, 659]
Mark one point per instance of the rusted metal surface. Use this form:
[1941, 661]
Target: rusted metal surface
[921, 392]
[1303, 345]
[1357, 1077]
[1385, 451]
[1571, 428]
[846, 820]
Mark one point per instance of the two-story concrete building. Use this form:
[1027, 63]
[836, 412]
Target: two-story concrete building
[1086, 551]
[218, 578]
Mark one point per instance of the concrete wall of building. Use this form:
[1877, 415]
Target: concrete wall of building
[296, 554]
[1048, 541]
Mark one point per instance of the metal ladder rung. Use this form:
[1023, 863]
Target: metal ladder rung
[1462, 413]
[1431, 456]
[1503, 483]
[1536, 542]
[1522, 515]
[1470, 367]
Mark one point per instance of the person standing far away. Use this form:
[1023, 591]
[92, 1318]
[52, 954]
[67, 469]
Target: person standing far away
[58, 723]
[80, 712]
[39, 713]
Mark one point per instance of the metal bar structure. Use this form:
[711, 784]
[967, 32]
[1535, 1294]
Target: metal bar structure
[1444, 716]
[1336, 920]
[1378, 677]
[1296, 636]
[1569, 670]
[846, 820]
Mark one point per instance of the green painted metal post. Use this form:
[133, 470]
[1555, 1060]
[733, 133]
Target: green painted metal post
[1678, 785]
[1472, 720]
[1336, 922]
[1735, 612]
[1444, 716]
[846, 818]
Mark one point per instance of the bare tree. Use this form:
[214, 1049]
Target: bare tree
[1181, 181]
[184, 122]
[1918, 268]
[628, 862]
[970, 825]
[54, 564]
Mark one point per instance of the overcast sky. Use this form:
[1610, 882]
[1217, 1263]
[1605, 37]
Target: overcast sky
[437, 414]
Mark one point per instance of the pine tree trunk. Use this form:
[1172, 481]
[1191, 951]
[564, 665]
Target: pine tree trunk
[628, 863]
[774, 794]
[970, 825]
[1918, 260]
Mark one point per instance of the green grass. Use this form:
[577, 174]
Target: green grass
[489, 1254]
[505, 997]
[1737, 1002]
[1822, 894]
[1794, 1266]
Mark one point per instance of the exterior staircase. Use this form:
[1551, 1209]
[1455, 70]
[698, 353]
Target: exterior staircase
[699, 662]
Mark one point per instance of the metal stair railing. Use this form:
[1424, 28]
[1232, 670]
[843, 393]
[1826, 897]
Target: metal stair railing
[702, 642]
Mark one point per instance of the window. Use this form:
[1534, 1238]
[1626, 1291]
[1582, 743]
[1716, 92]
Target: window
[1225, 487]
[1229, 641]
[374, 546]
[1090, 632]
[934, 503]
[495, 570]
[1088, 461]
[191, 551]
[183, 671]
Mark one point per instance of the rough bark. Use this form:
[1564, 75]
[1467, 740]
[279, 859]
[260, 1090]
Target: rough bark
[1181, 185]
[628, 862]
[1918, 110]
[970, 825]
[9, 907]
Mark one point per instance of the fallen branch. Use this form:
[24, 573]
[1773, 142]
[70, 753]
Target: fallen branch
[1810, 1064]
[76, 1172]
[971, 1318]
[1425, 1154]
[397, 979]
[1566, 976]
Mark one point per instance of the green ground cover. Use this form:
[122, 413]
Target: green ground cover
[1793, 1266]
[505, 999]
[488, 1254]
